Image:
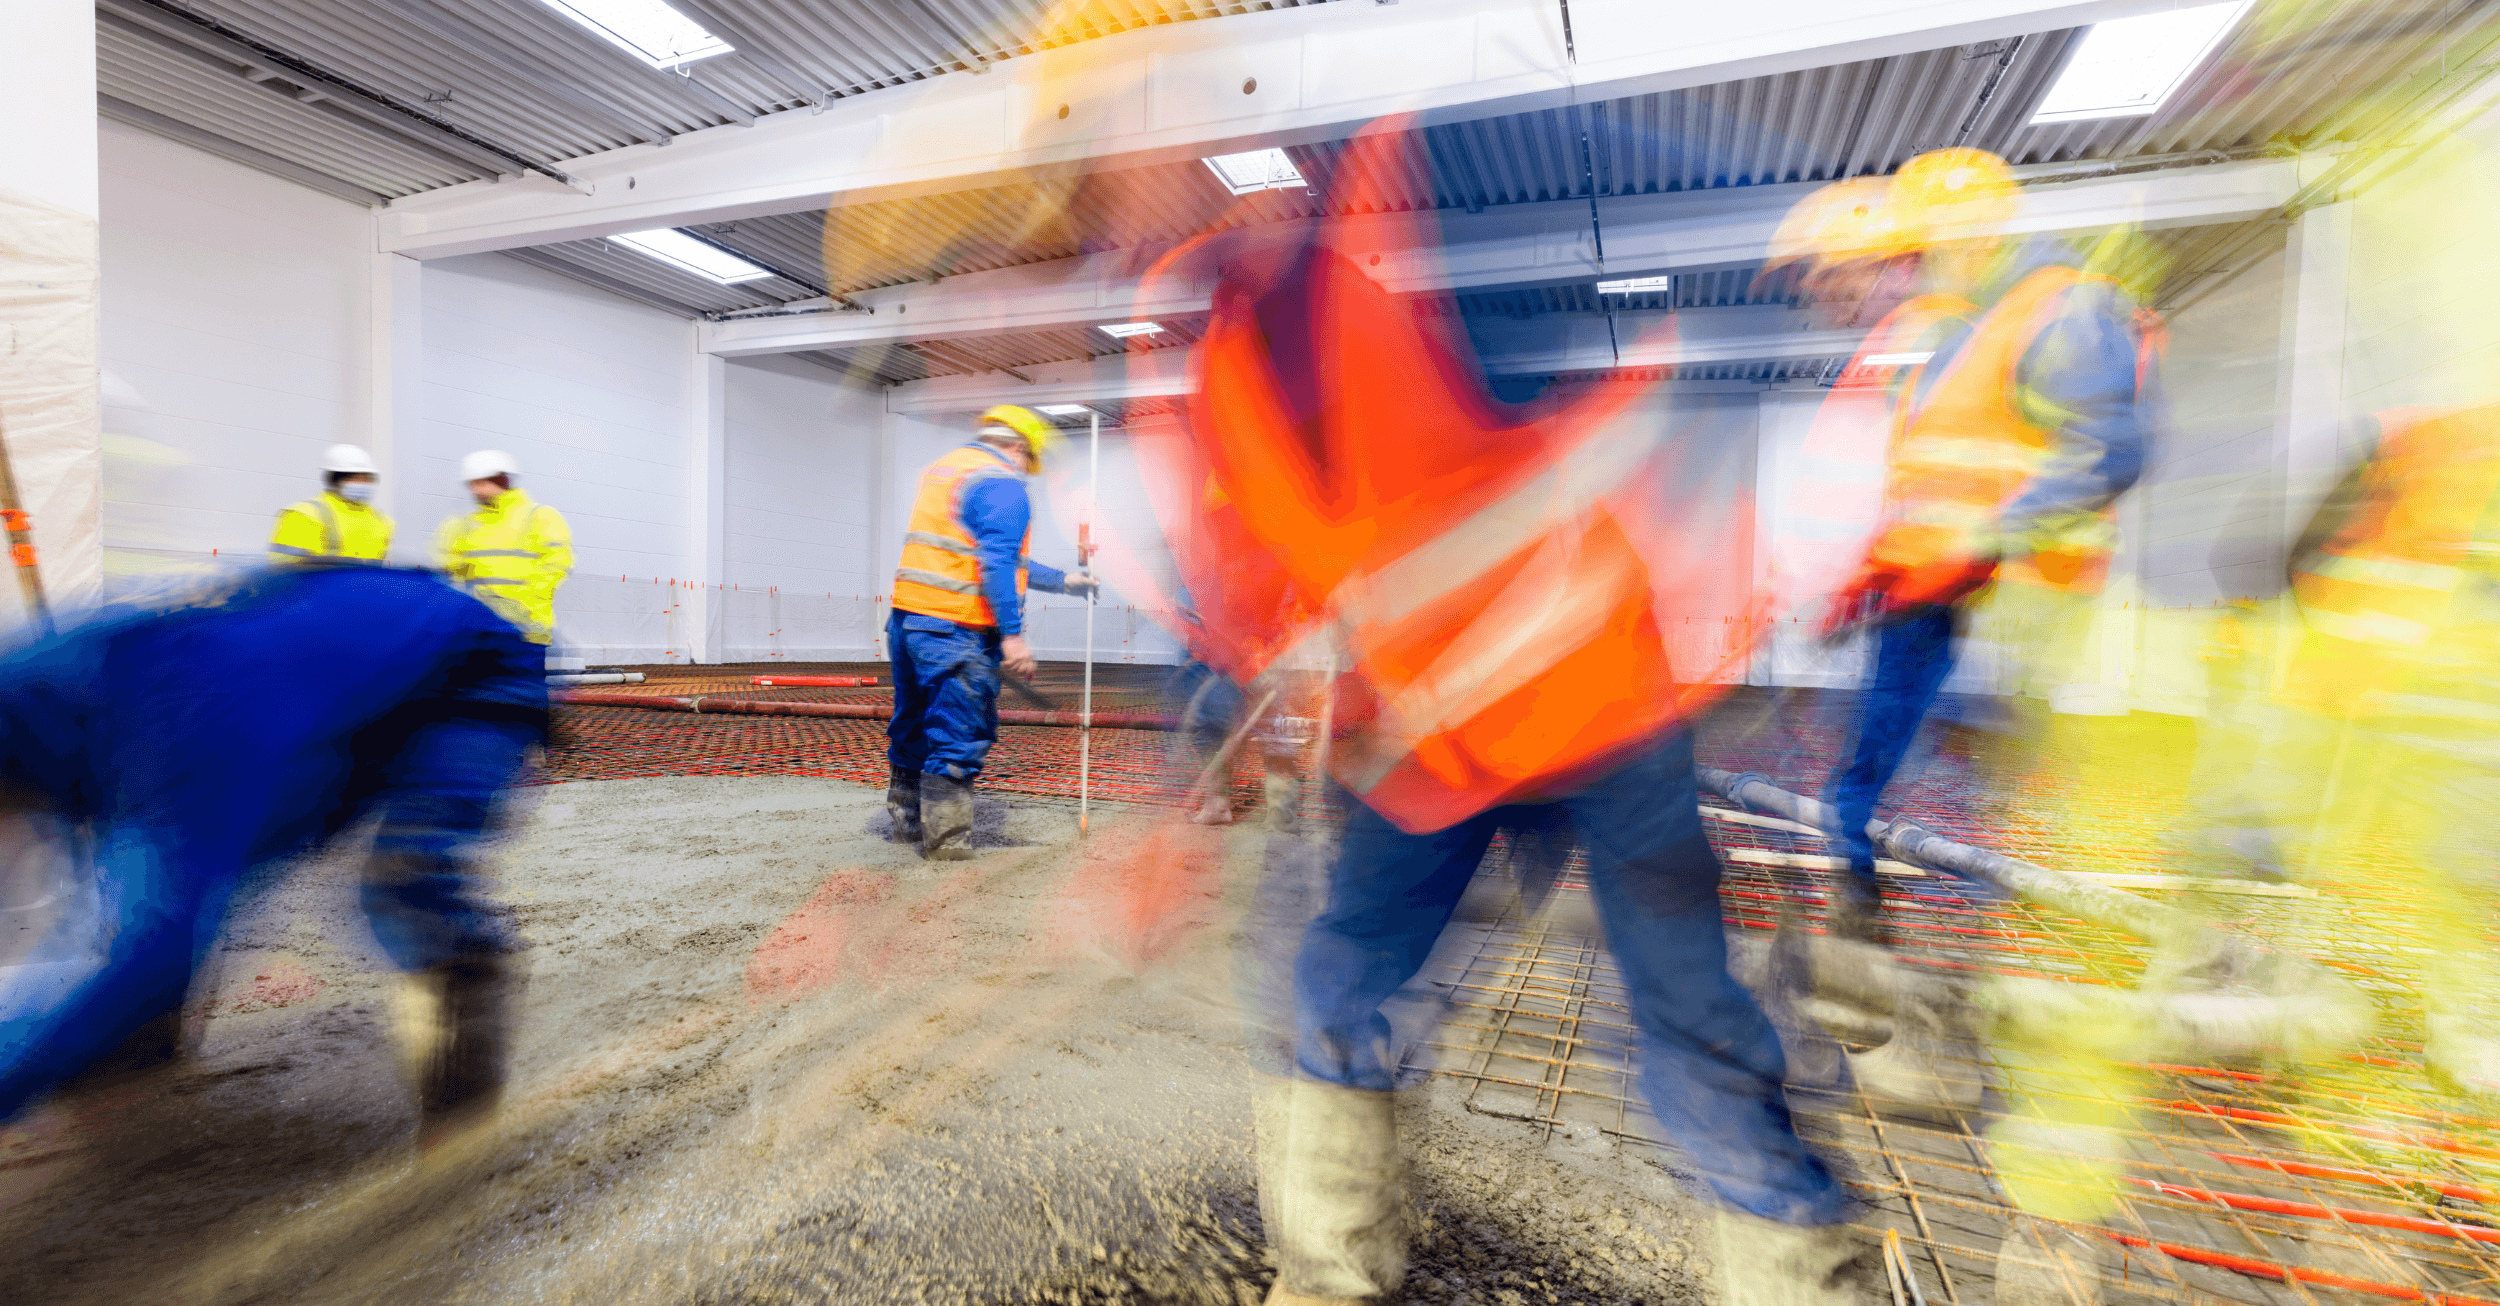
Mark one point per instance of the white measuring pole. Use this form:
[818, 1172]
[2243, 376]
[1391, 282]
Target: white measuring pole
[1084, 558]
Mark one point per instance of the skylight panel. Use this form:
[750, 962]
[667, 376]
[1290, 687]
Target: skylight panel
[1255, 170]
[1635, 285]
[1060, 410]
[2126, 68]
[686, 254]
[646, 29]
[1123, 330]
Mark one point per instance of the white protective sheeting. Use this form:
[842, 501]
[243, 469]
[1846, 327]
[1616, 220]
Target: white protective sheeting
[49, 404]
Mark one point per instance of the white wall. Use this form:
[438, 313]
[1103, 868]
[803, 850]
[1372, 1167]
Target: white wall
[591, 394]
[801, 512]
[2423, 308]
[48, 98]
[234, 347]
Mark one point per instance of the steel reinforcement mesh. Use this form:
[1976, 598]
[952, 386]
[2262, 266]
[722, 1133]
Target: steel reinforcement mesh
[618, 743]
[2353, 1178]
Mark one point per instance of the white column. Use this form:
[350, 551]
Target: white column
[2309, 371]
[394, 390]
[48, 98]
[50, 386]
[882, 531]
[706, 503]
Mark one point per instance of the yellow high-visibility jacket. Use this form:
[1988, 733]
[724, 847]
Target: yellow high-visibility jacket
[512, 554]
[330, 527]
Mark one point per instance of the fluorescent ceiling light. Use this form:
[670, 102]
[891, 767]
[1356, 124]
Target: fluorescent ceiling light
[2127, 67]
[1255, 170]
[1900, 360]
[646, 29]
[1635, 285]
[1060, 410]
[1123, 330]
[686, 254]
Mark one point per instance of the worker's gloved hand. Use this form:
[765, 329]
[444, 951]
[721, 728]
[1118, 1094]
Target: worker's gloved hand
[1081, 584]
[1883, 591]
[1016, 656]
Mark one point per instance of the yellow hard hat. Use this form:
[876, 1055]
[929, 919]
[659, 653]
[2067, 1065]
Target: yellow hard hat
[1840, 223]
[1956, 192]
[1039, 432]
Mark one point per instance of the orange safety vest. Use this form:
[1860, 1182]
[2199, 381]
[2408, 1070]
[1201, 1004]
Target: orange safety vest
[1962, 453]
[941, 571]
[1502, 577]
[2382, 585]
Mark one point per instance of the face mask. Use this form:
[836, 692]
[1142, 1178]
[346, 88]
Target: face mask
[356, 491]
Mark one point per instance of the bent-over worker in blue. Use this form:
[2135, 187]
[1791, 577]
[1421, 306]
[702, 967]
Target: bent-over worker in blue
[166, 754]
[958, 617]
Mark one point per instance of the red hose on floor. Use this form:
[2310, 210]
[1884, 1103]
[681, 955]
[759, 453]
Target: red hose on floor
[853, 711]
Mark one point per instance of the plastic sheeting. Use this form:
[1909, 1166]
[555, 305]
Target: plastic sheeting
[50, 406]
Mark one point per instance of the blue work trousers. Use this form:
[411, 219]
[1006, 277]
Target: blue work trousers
[945, 695]
[1912, 658]
[165, 892]
[1210, 707]
[1711, 1064]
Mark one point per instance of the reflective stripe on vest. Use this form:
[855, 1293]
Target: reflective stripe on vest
[1962, 448]
[940, 572]
[2426, 495]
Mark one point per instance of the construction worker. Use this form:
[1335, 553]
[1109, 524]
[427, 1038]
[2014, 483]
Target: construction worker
[174, 751]
[2009, 444]
[512, 552]
[958, 619]
[1499, 577]
[342, 522]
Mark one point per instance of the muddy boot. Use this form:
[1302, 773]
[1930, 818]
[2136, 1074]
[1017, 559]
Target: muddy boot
[1767, 1263]
[2044, 1264]
[1328, 1190]
[1216, 808]
[945, 818]
[902, 805]
[1856, 910]
[1931, 1068]
[455, 1031]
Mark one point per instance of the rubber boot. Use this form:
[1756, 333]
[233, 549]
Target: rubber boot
[1931, 1067]
[1329, 1193]
[1216, 808]
[945, 818]
[1767, 1263]
[455, 1031]
[1856, 910]
[902, 805]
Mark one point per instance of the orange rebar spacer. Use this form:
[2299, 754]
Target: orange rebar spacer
[15, 519]
[22, 554]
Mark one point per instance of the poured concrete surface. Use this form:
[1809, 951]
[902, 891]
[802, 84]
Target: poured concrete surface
[767, 1057]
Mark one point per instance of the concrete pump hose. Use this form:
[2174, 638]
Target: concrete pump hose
[2309, 1009]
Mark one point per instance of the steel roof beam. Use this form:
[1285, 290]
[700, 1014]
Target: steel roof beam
[132, 115]
[1509, 246]
[1708, 336]
[1185, 90]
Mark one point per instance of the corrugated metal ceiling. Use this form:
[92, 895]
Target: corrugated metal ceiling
[392, 97]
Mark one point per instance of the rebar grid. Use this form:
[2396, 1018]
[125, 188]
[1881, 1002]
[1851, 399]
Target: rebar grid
[2247, 1183]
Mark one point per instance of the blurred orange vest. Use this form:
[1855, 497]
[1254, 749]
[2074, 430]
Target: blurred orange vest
[940, 574]
[1961, 454]
[2380, 588]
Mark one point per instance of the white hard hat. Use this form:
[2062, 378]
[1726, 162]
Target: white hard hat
[488, 462]
[348, 458]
